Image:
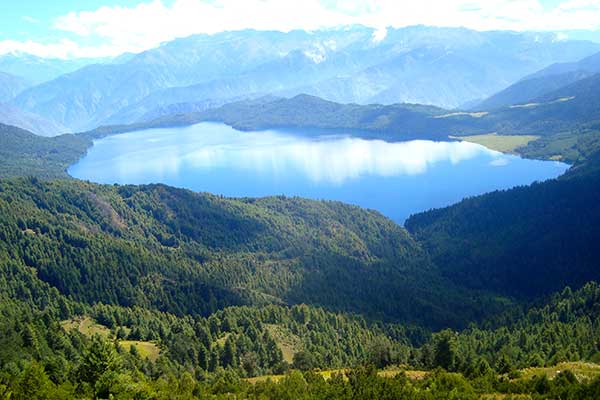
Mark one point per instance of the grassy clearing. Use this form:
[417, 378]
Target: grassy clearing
[264, 378]
[528, 105]
[462, 113]
[86, 326]
[221, 341]
[288, 343]
[533, 105]
[327, 374]
[502, 143]
[145, 349]
[89, 327]
[392, 372]
[582, 370]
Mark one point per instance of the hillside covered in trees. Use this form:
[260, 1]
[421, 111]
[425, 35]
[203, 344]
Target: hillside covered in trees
[24, 154]
[173, 250]
[505, 241]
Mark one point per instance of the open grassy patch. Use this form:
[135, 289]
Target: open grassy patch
[221, 341]
[479, 114]
[583, 370]
[147, 350]
[89, 327]
[264, 378]
[326, 374]
[502, 143]
[86, 326]
[288, 343]
[393, 371]
[389, 372]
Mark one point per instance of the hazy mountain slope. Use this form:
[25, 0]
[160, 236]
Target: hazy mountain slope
[588, 64]
[441, 66]
[24, 154]
[83, 99]
[156, 112]
[543, 82]
[272, 77]
[11, 115]
[10, 86]
[582, 91]
[526, 90]
[88, 96]
[432, 75]
[37, 70]
[449, 68]
[435, 72]
[571, 108]
[528, 241]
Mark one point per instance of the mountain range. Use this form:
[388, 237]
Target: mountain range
[345, 65]
[12, 115]
[542, 83]
[36, 70]
[11, 85]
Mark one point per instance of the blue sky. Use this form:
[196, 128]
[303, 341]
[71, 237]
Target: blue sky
[30, 19]
[95, 28]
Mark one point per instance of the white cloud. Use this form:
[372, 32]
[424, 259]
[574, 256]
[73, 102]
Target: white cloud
[133, 29]
[64, 49]
[29, 19]
[379, 34]
[499, 162]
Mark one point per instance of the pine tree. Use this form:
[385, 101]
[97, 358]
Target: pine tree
[99, 358]
[229, 357]
[445, 350]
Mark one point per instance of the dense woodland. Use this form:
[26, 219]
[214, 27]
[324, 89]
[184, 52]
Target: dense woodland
[504, 241]
[176, 251]
[212, 357]
[24, 154]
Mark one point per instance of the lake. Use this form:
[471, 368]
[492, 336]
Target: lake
[397, 179]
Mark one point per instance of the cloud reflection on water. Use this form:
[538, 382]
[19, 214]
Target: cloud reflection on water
[330, 160]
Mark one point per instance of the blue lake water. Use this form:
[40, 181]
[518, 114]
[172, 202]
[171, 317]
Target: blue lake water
[397, 179]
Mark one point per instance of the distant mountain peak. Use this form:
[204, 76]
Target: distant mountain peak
[445, 67]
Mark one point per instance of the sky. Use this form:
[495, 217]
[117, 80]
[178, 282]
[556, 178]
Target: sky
[105, 28]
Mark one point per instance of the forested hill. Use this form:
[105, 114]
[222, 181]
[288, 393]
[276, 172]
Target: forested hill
[59, 349]
[303, 111]
[173, 250]
[393, 122]
[23, 153]
[525, 242]
[560, 120]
